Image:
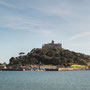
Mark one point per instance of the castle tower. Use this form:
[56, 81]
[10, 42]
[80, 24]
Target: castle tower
[52, 42]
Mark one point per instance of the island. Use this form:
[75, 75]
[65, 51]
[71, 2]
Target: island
[51, 57]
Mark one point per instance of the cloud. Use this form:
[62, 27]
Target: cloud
[8, 4]
[81, 35]
[18, 22]
[47, 32]
[63, 9]
[50, 8]
[28, 24]
[53, 8]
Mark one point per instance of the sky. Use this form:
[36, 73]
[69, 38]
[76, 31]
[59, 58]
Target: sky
[27, 24]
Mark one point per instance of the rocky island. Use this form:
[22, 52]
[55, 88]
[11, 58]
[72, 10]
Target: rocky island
[50, 57]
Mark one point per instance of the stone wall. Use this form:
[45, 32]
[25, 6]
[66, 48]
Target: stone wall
[73, 68]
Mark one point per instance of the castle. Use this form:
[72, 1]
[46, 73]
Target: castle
[52, 45]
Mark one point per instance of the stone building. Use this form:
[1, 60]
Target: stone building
[52, 45]
[3, 67]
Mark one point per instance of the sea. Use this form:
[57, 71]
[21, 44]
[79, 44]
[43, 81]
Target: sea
[45, 80]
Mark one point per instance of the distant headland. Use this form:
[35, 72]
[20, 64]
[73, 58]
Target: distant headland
[50, 57]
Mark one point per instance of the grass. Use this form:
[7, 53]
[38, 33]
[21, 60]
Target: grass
[76, 65]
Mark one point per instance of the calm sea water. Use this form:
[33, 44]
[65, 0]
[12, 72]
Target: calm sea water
[42, 80]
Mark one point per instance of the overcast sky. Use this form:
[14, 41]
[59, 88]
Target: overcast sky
[27, 24]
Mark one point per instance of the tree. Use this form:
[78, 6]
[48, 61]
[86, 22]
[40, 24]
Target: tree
[21, 53]
[11, 61]
[50, 56]
[82, 62]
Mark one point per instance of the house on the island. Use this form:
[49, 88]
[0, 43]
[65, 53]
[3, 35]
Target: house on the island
[52, 45]
[3, 67]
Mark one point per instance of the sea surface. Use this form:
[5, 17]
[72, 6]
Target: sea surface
[44, 80]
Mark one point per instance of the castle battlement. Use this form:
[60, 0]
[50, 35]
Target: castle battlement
[52, 45]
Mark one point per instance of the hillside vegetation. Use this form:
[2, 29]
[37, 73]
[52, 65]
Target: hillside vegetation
[50, 57]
